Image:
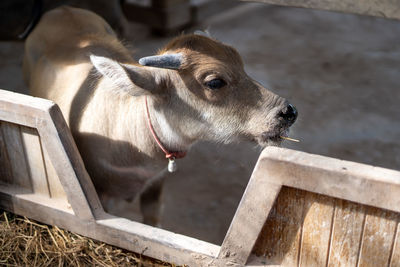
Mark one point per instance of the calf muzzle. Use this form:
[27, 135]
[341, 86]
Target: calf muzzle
[289, 114]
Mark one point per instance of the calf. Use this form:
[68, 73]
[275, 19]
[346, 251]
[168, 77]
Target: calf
[127, 118]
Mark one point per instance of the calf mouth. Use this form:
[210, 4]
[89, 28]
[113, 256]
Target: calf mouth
[272, 138]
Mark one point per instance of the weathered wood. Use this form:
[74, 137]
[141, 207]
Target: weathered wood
[279, 241]
[249, 219]
[144, 239]
[55, 187]
[317, 225]
[5, 165]
[382, 8]
[340, 236]
[346, 234]
[378, 236]
[59, 143]
[46, 117]
[35, 161]
[349, 238]
[395, 257]
[315, 228]
[23, 109]
[360, 183]
[11, 191]
[15, 149]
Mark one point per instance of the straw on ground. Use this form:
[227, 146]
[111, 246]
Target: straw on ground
[24, 242]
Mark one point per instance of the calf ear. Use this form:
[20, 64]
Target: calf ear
[132, 79]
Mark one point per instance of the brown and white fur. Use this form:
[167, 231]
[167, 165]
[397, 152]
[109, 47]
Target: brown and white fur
[74, 58]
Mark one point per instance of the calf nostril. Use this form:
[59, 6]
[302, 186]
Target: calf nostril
[289, 114]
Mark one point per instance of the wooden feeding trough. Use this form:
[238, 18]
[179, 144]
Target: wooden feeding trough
[298, 209]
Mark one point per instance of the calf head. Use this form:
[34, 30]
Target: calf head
[200, 87]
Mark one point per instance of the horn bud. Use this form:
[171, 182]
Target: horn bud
[166, 61]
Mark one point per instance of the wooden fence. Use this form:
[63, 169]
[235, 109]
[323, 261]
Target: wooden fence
[298, 209]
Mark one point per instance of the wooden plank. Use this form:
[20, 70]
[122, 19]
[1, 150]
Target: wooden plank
[64, 155]
[34, 156]
[346, 233]
[250, 216]
[329, 177]
[279, 241]
[23, 109]
[6, 175]
[395, 257]
[46, 117]
[381, 8]
[24, 104]
[55, 187]
[317, 228]
[332, 177]
[137, 237]
[15, 150]
[378, 237]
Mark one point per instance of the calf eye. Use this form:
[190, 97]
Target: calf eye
[215, 84]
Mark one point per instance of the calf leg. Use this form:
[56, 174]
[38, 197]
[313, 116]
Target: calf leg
[150, 200]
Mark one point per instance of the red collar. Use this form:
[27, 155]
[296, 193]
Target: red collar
[168, 154]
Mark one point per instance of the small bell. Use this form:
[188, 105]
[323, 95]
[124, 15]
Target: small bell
[172, 167]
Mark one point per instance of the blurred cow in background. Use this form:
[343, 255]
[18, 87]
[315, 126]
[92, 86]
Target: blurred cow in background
[19, 17]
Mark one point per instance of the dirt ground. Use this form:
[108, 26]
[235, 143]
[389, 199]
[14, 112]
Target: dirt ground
[341, 71]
